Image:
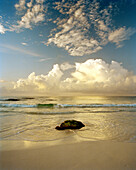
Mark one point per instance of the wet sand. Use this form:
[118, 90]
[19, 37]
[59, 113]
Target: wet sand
[78, 156]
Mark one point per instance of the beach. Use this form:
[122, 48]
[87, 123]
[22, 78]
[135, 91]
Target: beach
[102, 155]
[29, 140]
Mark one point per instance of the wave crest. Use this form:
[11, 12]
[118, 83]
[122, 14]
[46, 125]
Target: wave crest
[51, 105]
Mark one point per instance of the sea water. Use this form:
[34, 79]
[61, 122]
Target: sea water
[35, 118]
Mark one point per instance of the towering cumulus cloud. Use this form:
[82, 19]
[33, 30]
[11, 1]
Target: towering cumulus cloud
[91, 77]
[42, 83]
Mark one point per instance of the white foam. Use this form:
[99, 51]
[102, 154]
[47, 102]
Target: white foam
[69, 105]
[17, 105]
[97, 105]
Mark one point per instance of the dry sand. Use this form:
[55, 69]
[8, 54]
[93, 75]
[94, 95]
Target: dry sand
[81, 156]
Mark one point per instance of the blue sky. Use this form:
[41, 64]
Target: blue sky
[66, 42]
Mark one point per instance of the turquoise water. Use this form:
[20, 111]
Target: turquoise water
[35, 118]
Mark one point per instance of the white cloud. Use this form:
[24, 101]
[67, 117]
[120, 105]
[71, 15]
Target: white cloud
[76, 31]
[34, 12]
[23, 43]
[29, 4]
[44, 59]
[32, 16]
[97, 76]
[2, 29]
[66, 66]
[40, 1]
[90, 77]
[75, 35]
[102, 26]
[21, 5]
[82, 28]
[99, 71]
[120, 35]
[87, 28]
[41, 83]
[32, 82]
[2, 81]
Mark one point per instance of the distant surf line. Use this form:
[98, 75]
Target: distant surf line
[51, 105]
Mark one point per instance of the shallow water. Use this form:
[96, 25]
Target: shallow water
[35, 118]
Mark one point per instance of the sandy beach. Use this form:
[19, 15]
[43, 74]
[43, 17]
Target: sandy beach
[85, 155]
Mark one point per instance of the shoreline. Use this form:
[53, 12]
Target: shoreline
[96, 155]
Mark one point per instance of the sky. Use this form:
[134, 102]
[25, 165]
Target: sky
[68, 47]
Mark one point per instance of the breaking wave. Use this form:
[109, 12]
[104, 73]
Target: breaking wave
[50, 105]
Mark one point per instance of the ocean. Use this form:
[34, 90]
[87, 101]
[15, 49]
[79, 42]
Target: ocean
[34, 118]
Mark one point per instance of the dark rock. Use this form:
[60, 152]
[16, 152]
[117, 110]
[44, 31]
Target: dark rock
[27, 98]
[12, 99]
[70, 124]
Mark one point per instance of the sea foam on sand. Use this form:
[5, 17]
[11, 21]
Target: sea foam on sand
[102, 155]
